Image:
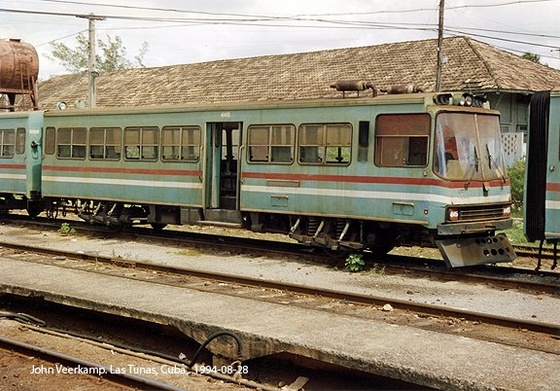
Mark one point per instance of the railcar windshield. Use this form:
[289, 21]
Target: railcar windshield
[468, 147]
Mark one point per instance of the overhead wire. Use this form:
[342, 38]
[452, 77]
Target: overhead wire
[301, 20]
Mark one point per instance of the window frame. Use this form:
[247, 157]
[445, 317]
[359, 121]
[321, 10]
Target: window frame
[270, 146]
[323, 145]
[73, 145]
[117, 145]
[6, 145]
[195, 133]
[406, 137]
[141, 145]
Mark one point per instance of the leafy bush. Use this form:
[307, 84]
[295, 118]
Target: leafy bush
[66, 229]
[355, 263]
[516, 174]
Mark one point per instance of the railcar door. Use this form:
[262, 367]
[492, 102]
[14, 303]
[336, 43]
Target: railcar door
[222, 176]
[33, 163]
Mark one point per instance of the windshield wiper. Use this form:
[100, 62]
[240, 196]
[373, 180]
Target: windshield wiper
[490, 160]
[489, 157]
[476, 160]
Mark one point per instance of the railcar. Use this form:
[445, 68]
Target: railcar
[341, 173]
[20, 161]
[542, 179]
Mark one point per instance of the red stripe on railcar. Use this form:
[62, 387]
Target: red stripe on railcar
[12, 166]
[116, 170]
[367, 179]
[553, 186]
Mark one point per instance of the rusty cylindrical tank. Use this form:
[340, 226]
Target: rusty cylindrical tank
[19, 66]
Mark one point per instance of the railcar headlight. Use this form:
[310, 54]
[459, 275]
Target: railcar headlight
[443, 99]
[479, 100]
[507, 210]
[466, 100]
[452, 214]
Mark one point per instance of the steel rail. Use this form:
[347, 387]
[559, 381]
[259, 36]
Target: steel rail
[103, 369]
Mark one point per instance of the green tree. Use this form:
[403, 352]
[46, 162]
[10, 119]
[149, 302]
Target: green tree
[111, 55]
[532, 57]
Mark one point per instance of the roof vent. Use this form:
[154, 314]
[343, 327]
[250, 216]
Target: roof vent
[403, 89]
[353, 85]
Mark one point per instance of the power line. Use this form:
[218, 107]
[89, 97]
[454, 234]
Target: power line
[165, 9]
[287, 22]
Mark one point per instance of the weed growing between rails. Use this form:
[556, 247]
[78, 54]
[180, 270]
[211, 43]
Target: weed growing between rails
[66, 229]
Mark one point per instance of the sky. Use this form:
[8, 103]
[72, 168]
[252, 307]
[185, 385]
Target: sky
[181, 32]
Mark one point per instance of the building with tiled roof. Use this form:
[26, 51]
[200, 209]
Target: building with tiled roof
[468, 65]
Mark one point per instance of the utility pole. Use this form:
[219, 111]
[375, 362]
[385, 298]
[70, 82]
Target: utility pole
[440, 45]
[92, 71]
[556, 50]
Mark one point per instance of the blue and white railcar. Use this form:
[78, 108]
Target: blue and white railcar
[20, 161]
[542, 179]
[353, 173]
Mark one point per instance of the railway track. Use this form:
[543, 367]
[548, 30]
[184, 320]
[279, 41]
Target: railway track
[48, 363]
[507, 276]
[286, 293]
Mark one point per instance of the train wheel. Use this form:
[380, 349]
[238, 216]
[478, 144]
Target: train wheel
[34, 208]
[381, 241]
[158, 226]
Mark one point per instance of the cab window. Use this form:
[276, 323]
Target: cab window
[401, 140]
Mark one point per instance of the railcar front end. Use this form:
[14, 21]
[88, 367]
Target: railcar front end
[468, 159]
[411, 169]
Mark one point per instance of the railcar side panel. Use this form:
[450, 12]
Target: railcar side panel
[119, 158]
[552, 218]
[20, 154]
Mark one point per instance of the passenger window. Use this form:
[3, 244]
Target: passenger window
[401, 140]
[271, 143]
[71, 143]
[141, 143]
[180, 143]
[325, 144]
[7, 143]
[20, 141]
[50, 144]
[105, 143]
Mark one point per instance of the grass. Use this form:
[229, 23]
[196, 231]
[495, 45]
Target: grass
[516, 235]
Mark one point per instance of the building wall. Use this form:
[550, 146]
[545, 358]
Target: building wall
[514, 110]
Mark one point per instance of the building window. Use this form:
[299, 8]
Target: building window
[71, 143]
[401, 140]
[141, 143]
[325, 143]
[105, 143]
[271, 143]
[7, 143]
[180, 143]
